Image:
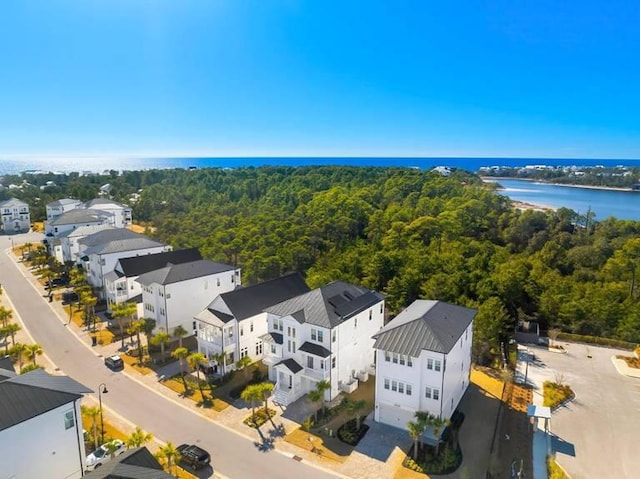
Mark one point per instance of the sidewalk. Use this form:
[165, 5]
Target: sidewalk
[360, 463]
[541, 440]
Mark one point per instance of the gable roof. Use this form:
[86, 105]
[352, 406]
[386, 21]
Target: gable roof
[329, 305]
[174, 273]
[248, 301]
[425, 324]
[137, 265]
[12, 202]
[29, 395]
[63, 202]
[105, 236]
[291, 364]
[85, 230]
[80, 215]
[105, 203]
[315, 349]
[119, 246]
[136, 463]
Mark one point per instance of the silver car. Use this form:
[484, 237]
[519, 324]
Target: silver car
[101, 455]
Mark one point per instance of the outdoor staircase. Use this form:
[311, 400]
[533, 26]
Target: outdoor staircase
[281, 396]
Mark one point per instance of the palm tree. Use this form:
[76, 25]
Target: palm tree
[433, 422]
[323, 386]
[179, 332]
[171, 455]
[92, 412]
[416, 430]
[354, 408]
[11, 330]
[136, 327]
[111, 447]
[195, 360]
[149, 326]
[5, 315]
[17, 353]
[221, 358]
[422, 418]
[32, 352]
[181, 354]
[89, 301]
[138, 438]
[161, 339]
[242, 363]
[266, 389]
[315, 396]
[252, 394]
[121, 312]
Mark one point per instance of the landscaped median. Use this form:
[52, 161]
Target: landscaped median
[556, 393]
[627, 365]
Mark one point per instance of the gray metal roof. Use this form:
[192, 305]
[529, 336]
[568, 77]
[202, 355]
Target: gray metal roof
[251, 300]
[119, 246]
[136, 463]
[29, 395]
[64, 201]
[174, 273]
[80, 215]
[85, 230]
[329, 305]
[12, 202]
[137, 265]
[103, 202]
[315, 349]
[108, 235]
[425, 325]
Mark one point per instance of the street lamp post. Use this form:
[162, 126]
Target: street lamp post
[102, 388]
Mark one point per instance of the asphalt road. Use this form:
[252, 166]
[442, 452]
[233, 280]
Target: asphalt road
[232, 455]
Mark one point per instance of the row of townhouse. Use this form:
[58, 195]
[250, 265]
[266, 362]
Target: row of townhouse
[14, 216]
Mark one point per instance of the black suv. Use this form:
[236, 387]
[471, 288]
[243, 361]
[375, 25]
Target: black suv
[194, 456]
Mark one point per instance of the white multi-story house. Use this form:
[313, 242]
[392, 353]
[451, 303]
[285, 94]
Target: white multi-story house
[40, 425]
[325, 334]
[120, 285]
[73, 219]
[122, 214]
[423, 362]
[236, 322]
[15, 216]
[66, 247]
[56, 208]
[173, 295]
[102, 250]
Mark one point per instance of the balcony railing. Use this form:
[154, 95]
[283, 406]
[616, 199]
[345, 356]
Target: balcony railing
[316, 374]
[271, 359]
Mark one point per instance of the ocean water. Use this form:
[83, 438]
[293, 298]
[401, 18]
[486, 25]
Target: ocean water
[100, 164]
[603, 203]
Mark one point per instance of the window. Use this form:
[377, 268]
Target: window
[277, 325]
[243, 352]
[451, 403]
[69, 420]
[241, 330]
[381, 308]
[401, 360]
[401, 388]
[316, 335]
[273, 349]
[394, 385]
[251, 327]
[313, 334]
[436, 394]
[466, 335]
[395, 358]
[427, 392]
[429, 363]
[370, 314]
[387, 356]
[258, 348]
[408, 389]
[103, 262]
[386, 383]
[218, 281]
[310, 362]
[333, 362]
[437, 365]
[409, 362]
[291, 346]
[320, 336]
[355, 323]
[233, 280]
[333, 336]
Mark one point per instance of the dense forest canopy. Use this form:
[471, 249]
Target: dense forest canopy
[404, 232]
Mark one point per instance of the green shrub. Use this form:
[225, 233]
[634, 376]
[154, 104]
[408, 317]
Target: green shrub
[612, 343]
[259, 418]
[555, 394]
[553, 470]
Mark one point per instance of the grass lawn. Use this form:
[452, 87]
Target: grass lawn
[555, 394]
[485, 379]
[300, 438]
[215, 403]
[135, 364]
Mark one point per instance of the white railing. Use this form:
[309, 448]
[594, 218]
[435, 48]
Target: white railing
[350, 386]
[270, 360]
[317, 374]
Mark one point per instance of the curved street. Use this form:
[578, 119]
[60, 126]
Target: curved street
[232, 455]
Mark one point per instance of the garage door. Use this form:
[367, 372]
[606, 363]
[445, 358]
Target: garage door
[394, 416]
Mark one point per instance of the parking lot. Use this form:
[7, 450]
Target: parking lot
[595, 435]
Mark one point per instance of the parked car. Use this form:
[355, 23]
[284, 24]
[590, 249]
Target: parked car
[69, 297]
[114, 362]
[59, 281]
[101, 455]
[193, 456]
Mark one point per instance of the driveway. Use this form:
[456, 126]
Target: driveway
[596, 435]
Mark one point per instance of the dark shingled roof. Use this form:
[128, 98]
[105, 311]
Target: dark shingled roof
[136, 463]
[315, 349]
[291, 364]
[329, 305]
[224, 317]
[137, 265]
[272, 338]
[29, 395]
[174, 273]
[247, 302]
[425, 324]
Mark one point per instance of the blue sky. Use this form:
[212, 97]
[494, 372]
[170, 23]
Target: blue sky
[531, 78]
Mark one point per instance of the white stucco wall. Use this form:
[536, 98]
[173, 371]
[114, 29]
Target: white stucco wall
[456, 376]
[42, 448]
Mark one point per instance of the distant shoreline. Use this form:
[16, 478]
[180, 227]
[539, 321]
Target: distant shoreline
[489, 179]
